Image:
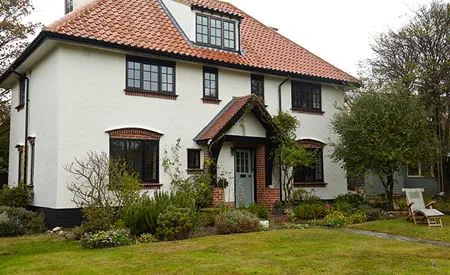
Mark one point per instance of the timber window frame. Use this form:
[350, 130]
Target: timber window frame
[257, 85]
[314, 172]
[150, 76]
[141, 156]
[210, 83]
[306, 96]
[215, 32]
[194, 159]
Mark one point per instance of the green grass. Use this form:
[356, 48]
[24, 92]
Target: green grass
[408, 228]
[314, 250]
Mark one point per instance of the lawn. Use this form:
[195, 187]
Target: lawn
[407, 228]
[312, 250]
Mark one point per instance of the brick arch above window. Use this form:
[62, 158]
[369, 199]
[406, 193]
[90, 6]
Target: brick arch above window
[134, 133]
[311, 143]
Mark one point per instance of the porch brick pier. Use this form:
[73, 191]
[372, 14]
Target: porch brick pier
[265, 195]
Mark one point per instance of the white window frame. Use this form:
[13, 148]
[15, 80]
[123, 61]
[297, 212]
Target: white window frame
[420, 175]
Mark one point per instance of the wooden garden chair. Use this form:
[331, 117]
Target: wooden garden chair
[419, 210]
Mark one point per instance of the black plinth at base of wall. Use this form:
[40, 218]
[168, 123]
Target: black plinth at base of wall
[60, 217]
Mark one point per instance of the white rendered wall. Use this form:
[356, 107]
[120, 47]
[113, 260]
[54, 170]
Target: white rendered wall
[16, 136]
[81, 97]
[248, 126]
[43, 123]
[80, 3]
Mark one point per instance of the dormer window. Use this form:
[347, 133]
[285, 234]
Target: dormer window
[215, 32]
[68, 6]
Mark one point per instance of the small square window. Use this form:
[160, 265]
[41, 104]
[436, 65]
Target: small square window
[257, 85]
[210, 83]
[193, 159]
[306, 96]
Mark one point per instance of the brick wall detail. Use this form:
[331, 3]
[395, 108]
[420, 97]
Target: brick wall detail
[218, 196]
[265, 195]
[134, 133]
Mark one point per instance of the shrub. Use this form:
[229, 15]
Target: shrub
[146, 238]
[174, 223]
[236, 221]
[372, 214]
[354, 200]
[259, 210]
[307, 211]
[206, 218]
[357, 217]
[18, 196]
[344, 207]
[400, 203]
[335, 219]
[301, 195]
[104, 239]
[15, 221]
[78, 232]
[96, 219]
[142, 216]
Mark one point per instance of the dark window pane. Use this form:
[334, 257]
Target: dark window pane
[257, 85]
[229, 35]
[22, 91]
[210, 83]
[193, 159]
[312, 173]
[306, 96]
[216, 32]
[141, 156]
[151, 77]
[134, 74]
[202, 29]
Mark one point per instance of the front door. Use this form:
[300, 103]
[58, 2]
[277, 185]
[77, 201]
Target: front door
[244, 188]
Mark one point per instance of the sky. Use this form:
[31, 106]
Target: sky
[339, 31]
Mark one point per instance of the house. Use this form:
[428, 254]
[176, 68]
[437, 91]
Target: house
[130, 77]
[410, 177]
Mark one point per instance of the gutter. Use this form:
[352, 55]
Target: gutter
[279, 110]
[279, 92]
[45, 34]
[25, 148]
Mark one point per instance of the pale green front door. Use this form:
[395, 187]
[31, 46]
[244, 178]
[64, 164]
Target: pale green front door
[244, 188]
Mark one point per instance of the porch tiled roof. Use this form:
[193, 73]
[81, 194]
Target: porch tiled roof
[223, 118]
[146, 25]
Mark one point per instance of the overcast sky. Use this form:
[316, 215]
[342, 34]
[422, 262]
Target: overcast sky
[339, 31]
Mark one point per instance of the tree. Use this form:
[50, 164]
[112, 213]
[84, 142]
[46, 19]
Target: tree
[382, 132]
[288, 152]
[14, 33]
[418, 57]
[102, 184]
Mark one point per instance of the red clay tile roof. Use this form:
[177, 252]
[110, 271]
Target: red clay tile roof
[146, 25]
[223, 118]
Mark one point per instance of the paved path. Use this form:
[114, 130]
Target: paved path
[396, 237]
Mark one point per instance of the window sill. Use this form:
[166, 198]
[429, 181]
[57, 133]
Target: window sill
[310, 184]
[151, 94]
[307, 111]
[194, 171]
[151, 186]
[20, 107]
[211, 100]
